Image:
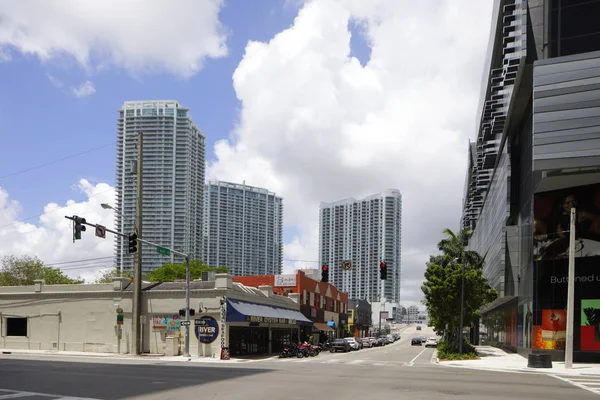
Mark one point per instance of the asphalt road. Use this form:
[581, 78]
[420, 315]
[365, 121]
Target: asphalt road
[398, 370]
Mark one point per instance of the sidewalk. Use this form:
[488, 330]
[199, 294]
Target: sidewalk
[494, 359]
[113, 356]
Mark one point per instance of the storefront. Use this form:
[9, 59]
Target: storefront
[261, 329]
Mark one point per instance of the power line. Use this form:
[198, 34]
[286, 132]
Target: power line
[77, 261]
[55, 161]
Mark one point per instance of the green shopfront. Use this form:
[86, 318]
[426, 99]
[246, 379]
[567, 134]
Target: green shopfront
[261, 329]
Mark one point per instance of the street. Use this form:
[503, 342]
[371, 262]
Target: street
[397, 369]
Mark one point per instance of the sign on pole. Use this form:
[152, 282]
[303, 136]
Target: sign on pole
[101, 231]
[163, 251]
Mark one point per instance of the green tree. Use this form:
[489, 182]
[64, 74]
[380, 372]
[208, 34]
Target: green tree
[108, 276]
[442, 286]
[22, 271]
[172, 272]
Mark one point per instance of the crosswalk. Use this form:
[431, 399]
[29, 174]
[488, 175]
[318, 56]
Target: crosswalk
[15, 394]
[588, 382]
[339, 361]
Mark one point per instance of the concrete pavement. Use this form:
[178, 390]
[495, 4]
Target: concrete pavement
[396, 370]
[257, 381]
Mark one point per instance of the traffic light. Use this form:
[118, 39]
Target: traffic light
[383, 271]
[78, 227]
[132, 243]
[324, 273]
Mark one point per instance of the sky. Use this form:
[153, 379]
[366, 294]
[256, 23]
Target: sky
[315, 100]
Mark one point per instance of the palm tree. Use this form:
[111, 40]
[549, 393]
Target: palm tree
[453, 246]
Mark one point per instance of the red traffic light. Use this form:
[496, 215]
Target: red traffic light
[383, 265]
[324, 268]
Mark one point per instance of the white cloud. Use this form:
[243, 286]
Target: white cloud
[85, 89]
[137, 35]
[51, 238]
[54, 81]
[316, 126]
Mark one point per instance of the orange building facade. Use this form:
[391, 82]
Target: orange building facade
[322, 303]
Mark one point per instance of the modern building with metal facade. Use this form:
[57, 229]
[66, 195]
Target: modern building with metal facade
[364, 232]
[536, 154]
[243, 229]
[173, 180]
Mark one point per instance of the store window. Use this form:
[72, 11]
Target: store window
[16, 327]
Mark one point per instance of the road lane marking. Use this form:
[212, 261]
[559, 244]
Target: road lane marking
[418, 355]
[356, 362]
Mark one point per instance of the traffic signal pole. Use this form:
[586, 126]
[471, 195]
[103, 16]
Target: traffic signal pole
[137, 270]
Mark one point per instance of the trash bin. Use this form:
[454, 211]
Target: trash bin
[172, 346]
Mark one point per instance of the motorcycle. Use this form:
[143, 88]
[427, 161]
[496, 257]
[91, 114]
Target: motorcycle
[287, 352]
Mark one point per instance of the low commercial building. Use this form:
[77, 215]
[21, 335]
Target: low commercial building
[229, 318]
[359, 317]
[320, 302]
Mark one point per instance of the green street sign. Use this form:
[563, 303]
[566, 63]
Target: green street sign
[163, 251]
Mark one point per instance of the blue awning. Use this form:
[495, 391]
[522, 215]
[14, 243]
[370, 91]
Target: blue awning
[331, 324]
[242, 311]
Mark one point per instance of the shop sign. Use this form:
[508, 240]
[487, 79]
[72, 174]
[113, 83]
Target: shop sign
[206, 329]
[285, 280]
[270, 320]
[166, 322]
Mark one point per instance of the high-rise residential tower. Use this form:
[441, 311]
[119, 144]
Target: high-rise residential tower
[173, 180]
[243, 229]
[364, 232]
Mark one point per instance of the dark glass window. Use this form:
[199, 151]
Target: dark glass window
[574, 27]
[16, 326]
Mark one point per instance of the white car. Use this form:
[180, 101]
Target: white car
[352, 342]
[431, 342]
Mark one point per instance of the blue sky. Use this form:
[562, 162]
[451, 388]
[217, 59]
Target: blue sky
[43, 124]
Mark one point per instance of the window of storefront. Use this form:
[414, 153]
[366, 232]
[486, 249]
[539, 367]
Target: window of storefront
[247, 340]
[16, 326]
[282, 338]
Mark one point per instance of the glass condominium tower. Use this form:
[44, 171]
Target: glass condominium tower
[173, 181]
[243, 229]
[364, 232]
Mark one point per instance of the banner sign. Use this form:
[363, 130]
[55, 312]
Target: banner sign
[270, 320]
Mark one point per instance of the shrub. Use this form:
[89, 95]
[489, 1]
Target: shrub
[449, 351]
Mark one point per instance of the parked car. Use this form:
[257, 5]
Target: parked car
[416, 341]
[353, 343]
[418, 327]
[341, 345]
[366, 342]
[373, 341]
[431, 342]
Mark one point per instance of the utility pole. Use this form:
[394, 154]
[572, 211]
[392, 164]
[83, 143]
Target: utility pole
[187, 307]
[570, 294]
[137, 275]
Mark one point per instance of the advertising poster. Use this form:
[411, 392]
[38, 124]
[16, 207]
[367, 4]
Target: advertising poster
[166, 322]
[551, 334]
[590, 325]
[552, 220]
